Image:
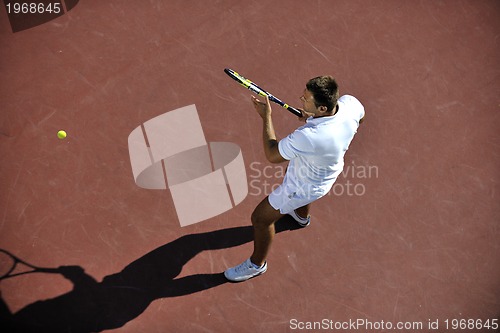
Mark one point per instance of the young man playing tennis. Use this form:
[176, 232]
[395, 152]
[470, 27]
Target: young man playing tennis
[315, 152]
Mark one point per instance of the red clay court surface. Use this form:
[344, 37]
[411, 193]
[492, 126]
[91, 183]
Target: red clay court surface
[411, 234]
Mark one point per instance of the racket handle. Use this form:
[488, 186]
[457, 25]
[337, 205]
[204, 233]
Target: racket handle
[293, 110]
[284, 105]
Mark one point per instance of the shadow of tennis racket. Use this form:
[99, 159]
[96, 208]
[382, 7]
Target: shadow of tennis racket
[11, 266]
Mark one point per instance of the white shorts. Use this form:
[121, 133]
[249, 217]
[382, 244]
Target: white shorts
[287, 198]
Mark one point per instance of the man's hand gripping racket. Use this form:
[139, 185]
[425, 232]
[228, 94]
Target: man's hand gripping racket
[259, 91]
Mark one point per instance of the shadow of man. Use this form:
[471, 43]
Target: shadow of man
[95, 306]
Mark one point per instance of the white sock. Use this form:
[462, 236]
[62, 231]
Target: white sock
[255, 265]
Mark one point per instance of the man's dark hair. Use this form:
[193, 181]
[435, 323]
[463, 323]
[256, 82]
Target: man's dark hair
[324, 90]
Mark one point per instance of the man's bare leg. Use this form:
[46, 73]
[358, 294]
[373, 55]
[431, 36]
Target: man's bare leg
[263, 218]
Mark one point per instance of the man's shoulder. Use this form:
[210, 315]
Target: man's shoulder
[349, 99]
[352, 104]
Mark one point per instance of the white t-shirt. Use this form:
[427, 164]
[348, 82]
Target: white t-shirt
[316, 150]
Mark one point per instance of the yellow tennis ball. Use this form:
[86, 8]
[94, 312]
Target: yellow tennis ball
[61, 134]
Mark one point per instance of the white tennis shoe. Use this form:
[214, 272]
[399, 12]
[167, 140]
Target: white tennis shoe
[244, 271]
[302, 221]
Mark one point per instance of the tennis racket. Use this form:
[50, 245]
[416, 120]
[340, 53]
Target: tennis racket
[10, 266]
[259, 91]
